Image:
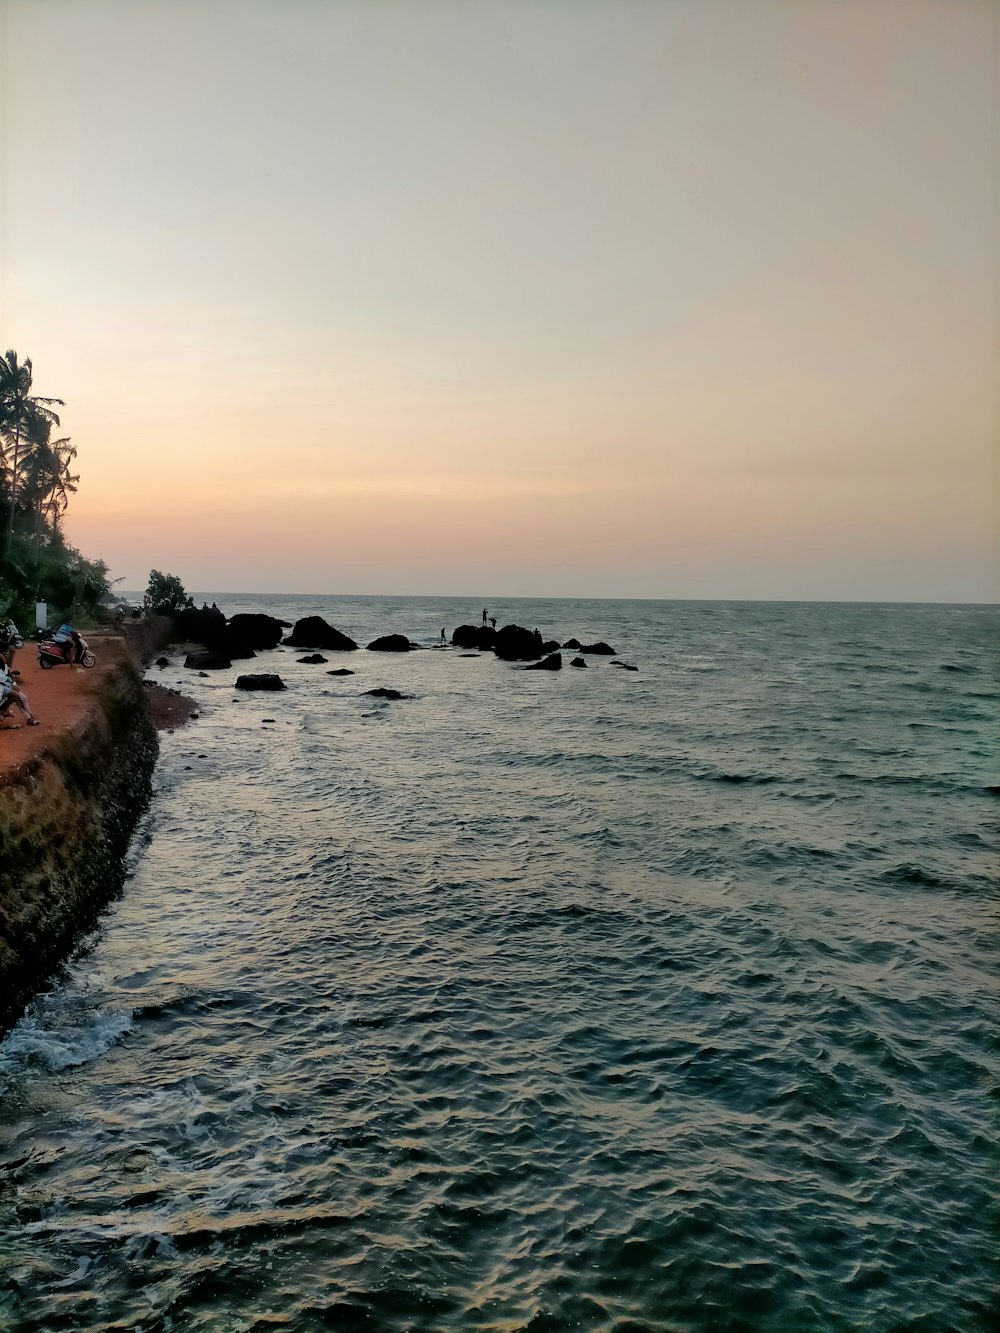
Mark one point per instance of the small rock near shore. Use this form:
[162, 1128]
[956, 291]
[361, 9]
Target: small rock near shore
[602, 648]
[551, 663]
[579, 662]
[383, 692]
[313, 659]
[208, 661]
[390, 643]
[260, 682]
[340, 671]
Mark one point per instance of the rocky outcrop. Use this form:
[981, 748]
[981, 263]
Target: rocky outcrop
[383, 692]
[572, 643]
[312, 659]
[314, 632]
[601, 649]
[515, 644]
[550, 646]
[390, 643]
[579, 662]
[263, 681]
[341, 671]
[66, 816]
[207, 661]
[474, 636]
[551, 663]
[258, 631]
[208, 626]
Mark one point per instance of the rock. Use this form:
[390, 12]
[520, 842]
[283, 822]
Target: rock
[207, 661]
[625, 666]
[474, 636]
[194, 716]
[261, 682]
[551, 663]
[257, 631]
[233, 647]
[515, 644]
[572, 643]
[383, 693]
[578, 661]
[161, 662]
[475, 655]
[604, 649]
[206, 626]
[341, 671]
[314, 632]
[550, 646]
[203, 673]
[314, 659]
[390, 643]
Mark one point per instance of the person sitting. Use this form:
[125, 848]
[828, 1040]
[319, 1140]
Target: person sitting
[10, 693]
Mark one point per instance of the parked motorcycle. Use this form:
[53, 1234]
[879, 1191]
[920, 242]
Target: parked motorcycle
[52, 654]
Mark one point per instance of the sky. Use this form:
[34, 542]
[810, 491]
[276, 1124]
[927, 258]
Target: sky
[639, 298]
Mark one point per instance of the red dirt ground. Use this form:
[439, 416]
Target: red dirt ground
[60, 696]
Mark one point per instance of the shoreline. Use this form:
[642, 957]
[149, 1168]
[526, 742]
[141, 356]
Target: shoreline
[71, 793]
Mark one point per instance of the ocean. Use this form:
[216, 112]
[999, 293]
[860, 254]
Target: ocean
[590, 1000]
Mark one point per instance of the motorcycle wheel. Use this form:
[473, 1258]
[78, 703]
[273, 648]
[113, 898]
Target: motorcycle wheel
[88, 659]
[46, 663]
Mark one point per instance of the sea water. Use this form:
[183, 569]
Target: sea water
[599, 1000]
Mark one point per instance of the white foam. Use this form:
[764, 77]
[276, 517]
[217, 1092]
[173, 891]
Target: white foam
[55, 1049]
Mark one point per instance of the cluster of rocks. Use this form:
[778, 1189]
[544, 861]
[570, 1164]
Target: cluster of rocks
[242, 636]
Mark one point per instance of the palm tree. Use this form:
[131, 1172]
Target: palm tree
[19, 412]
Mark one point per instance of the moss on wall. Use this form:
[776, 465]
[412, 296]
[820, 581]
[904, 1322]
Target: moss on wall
[66, 817]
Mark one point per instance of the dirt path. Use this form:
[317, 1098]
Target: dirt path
[60, 696]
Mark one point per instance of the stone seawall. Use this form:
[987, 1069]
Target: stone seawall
[66, 815]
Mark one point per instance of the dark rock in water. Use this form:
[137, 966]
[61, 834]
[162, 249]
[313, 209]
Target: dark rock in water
[474, 636]
[257, 631]
[194, 716]
[625, 666]
[161, 662]
[383, 693]
[314, 632]
[604, 649]
[233, 647]
[475, 655]
[269, 719]
[262, 682]
[202, 673]
[550, 646]
[551, 663]
[207, 661]
[207, 626]
[314, 659]
[515, 644]
[572, 643]
[578, 661]
[341, 671]
[390, 643]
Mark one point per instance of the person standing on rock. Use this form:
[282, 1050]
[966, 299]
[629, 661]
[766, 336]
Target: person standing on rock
[11, 694]
[484, 615]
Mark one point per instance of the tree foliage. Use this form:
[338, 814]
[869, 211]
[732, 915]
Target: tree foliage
[36, 481]
[166, 593]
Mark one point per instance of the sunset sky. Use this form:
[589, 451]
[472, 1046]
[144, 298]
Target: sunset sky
[677, 298]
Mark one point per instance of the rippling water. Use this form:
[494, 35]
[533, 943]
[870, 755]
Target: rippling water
[598, 1000]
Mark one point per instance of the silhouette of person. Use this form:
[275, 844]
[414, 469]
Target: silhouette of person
[444, 637]
[484, 615]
